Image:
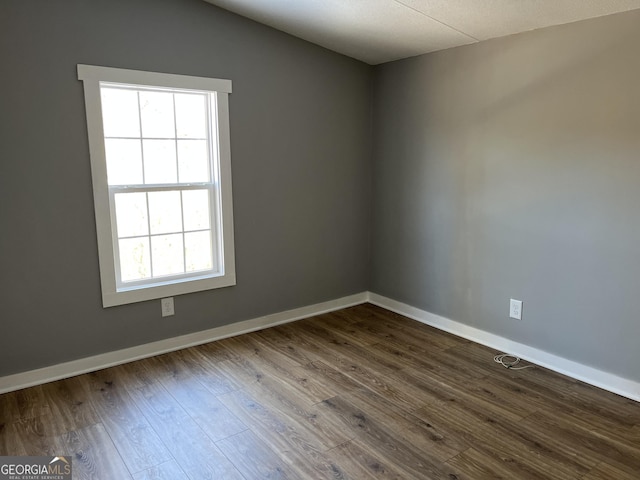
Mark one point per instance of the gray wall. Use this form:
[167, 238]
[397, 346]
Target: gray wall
[300, 140]
[504, 169]
[511, 169]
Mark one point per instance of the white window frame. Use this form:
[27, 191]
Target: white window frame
[112, 294]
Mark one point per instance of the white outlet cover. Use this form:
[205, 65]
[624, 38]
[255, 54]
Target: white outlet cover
[515, 309]
[167, 307]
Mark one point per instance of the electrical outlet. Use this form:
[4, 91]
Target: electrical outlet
[167, 307]
[515, 309]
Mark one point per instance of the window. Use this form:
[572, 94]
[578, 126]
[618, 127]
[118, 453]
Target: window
[161, 170]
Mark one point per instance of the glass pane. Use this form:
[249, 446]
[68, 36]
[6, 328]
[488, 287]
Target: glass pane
[193, 161]
[195, 208]
[159, 161]
[165, 212]
[120, 112]
[197, 246]
[124, 161]
[134, 259]
[168, 255]
[191, 115]
[131, 214]
[156, 109]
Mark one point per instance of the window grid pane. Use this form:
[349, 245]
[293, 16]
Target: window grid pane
[152, 255]
[119, 113]
[168, 254]
[191, 116]
[164, 235]
[132, 217]
[198, 251]
[189, 139]
[159, 159]
[166, 212]
[157, 113]
[135, 260]
[124, 161]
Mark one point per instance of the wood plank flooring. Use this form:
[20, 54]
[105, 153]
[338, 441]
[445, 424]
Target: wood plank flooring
[354, 394]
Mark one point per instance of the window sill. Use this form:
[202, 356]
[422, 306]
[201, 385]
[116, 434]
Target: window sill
[165, 289]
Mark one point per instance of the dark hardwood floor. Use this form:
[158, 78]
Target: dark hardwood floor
[359, 393]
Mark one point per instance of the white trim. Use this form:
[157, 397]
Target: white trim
[225, 199]
[139, 77]
[221, 197]
[91, 364]
[607, 381]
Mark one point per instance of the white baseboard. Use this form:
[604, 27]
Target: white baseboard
[607, 381]
[90, 364]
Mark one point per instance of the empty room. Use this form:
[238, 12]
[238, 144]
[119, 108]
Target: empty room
[320, 239]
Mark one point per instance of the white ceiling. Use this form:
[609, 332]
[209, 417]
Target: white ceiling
[378, 31]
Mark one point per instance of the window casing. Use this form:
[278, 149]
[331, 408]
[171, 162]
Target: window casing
[161, 171]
